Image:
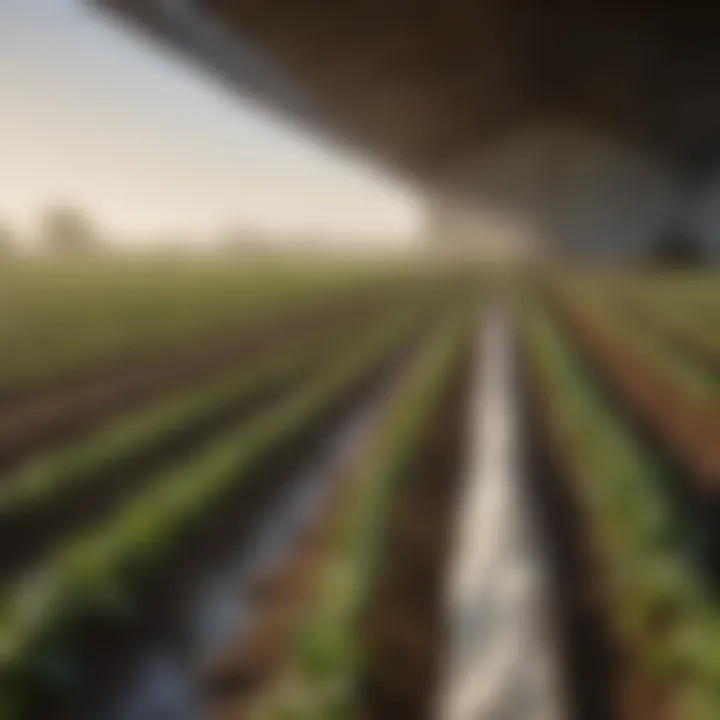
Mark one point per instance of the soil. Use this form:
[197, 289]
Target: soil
[405, 624]
[28, 536]
[105, 653]
[684, 341]
[60, 412]
[252, 662]
[603, 677]
[682, 436]
[692, 429]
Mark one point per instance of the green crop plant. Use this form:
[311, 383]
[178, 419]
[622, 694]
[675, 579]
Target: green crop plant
[45, 476]
[65, 318]
[660, 605]
[102, 573]
[684, 371]
[327, 650]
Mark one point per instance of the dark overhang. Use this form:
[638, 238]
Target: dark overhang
[422, 84]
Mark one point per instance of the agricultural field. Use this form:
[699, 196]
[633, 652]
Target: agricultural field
[237, 492]
[621, 375]
[148, 414]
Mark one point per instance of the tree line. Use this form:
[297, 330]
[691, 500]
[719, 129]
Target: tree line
[62, 231]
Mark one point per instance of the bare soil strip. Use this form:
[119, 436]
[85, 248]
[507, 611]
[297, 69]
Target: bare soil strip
[29, 536]
[57, 414]
[581, 610]
[256, 657]
[685, 341]
[602, 676]
[405, 623]
[106, 654]
[678, 421]
[681, 436]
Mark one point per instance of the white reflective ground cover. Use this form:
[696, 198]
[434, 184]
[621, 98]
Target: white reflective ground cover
[501, 662]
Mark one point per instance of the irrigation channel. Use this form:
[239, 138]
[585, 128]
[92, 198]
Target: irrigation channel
[486, 641]
[501, 660]
[167, 682]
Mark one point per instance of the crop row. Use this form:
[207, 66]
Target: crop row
[689, 328]
[662, 612]
[102, 573]
[656, 350]
[60, 321]
[680, 329]
[681, 422]
[51, 334]
[62, 489]
[327, 650]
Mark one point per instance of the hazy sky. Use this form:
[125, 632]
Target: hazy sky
[91, 114]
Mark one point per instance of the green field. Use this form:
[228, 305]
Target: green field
[151, 412]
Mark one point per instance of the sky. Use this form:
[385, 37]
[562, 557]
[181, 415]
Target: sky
[95, 116]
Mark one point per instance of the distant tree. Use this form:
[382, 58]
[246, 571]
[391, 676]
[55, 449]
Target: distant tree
[68, 231]
[7, 243]
[238, 241]
[677, 248]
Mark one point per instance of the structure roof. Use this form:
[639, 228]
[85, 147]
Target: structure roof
[423, 83]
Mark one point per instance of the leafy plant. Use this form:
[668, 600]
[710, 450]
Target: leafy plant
[660, 605]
